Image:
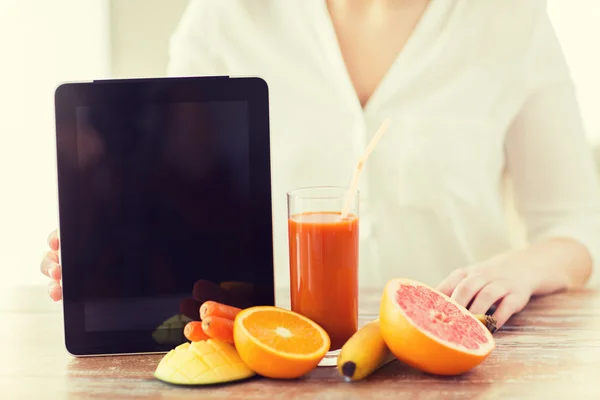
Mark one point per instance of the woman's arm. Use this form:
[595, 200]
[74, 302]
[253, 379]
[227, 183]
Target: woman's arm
[556, 192]
[556, 188]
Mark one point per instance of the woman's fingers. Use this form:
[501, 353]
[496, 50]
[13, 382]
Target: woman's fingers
[512, 304]
[52, 255]
[487, 297]
[49, 264]
[55, 291]
[55, 273]
[53, 240]
[51, 268]
[449, 284]
[468, 288]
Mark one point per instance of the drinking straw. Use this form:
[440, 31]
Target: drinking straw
[361, 162]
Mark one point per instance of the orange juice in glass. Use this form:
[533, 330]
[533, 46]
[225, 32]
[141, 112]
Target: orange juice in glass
[323, 250]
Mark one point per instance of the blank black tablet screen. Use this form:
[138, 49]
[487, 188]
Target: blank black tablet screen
[163, 216]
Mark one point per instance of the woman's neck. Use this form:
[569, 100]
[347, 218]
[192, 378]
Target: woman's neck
[368, 6]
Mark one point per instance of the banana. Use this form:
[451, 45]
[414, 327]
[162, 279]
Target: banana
[488, 321]
[364, 353]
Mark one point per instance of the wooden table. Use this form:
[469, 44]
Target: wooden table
[550, 350]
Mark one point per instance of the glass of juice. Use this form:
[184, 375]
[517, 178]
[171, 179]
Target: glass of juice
[323, 250]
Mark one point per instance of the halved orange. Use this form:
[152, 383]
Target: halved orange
[278, 343]
[426, 329]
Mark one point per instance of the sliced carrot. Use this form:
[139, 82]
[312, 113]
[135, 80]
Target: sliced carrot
[194, 333]
[218, 328]
[214, 309]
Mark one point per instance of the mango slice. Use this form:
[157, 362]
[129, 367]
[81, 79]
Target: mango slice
[205, 362]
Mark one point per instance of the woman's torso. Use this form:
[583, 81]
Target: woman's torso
[431, 193]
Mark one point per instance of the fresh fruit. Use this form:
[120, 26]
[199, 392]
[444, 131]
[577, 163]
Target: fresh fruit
[194, 333]
[214, 309]
[218, 328]
[364, 353]
[202, 363]
[429, 331]
[278, 343]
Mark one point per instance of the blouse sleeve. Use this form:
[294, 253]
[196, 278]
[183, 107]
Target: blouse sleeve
[192, 45]
[550, 162]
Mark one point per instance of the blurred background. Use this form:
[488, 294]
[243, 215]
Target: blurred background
[45, 42]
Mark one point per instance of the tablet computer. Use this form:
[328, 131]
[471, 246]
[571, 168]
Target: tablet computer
[165, 202]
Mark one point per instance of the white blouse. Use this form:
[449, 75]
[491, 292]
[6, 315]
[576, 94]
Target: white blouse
[481, 86]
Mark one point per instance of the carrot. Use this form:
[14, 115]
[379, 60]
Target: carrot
[214, 309]
[194, 333]
[218, 328]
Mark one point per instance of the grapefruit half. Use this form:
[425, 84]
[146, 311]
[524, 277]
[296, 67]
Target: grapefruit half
[429, 331]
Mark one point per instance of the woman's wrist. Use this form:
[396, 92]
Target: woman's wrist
[554, 265]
